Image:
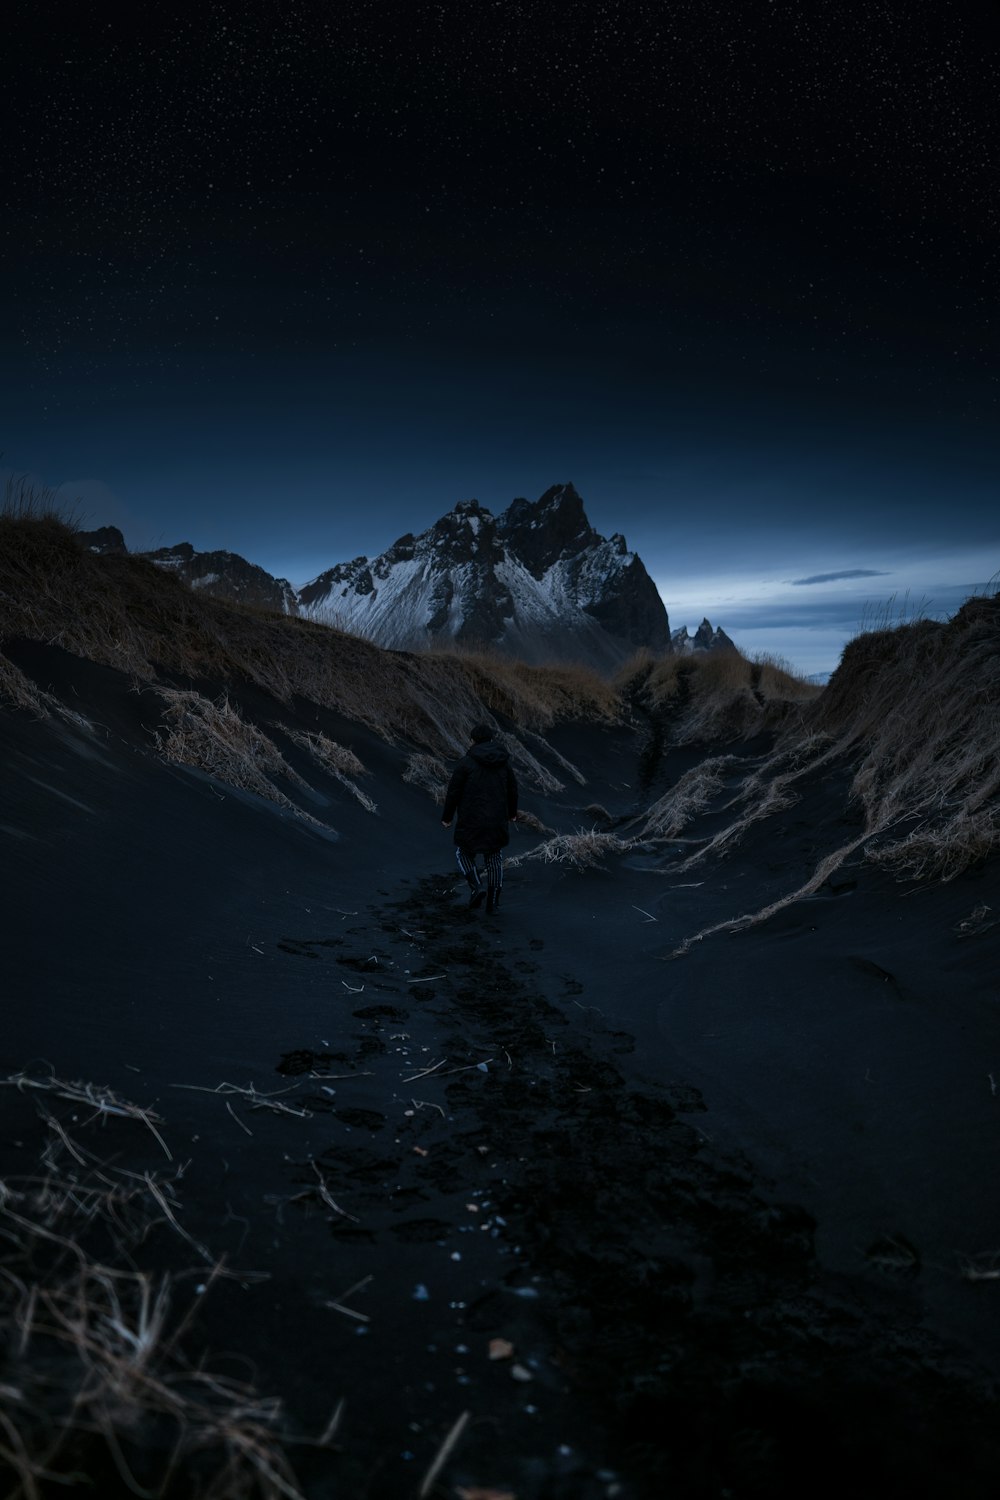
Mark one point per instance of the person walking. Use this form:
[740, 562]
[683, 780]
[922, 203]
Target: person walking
[483, 792]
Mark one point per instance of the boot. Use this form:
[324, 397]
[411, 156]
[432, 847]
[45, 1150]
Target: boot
[477, 898]
[492, 898]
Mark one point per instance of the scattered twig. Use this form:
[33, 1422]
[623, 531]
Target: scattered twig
[428, 1104]
[257, 1101]
[102, 1100]
[328, 1198]
[157, 1192]
[330, 1430]
[442, 1456]
[425, 1071]
[427, 979]
[339, 1076]
[648, 915]
[349, 1312]
[240, 1123]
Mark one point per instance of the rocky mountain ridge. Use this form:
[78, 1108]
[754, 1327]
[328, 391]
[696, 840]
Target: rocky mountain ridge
[705, 638]
[536, 581]
[224, 574]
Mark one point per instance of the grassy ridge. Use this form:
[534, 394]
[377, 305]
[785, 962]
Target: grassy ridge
[914, 710]
[125, 612]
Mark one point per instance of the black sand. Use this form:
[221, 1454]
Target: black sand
[722, 1207]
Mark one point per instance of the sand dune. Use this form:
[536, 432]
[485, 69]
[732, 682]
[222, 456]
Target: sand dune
[676, 1176]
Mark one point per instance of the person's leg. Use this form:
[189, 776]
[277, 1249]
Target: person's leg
[494, 878]
[467, 865]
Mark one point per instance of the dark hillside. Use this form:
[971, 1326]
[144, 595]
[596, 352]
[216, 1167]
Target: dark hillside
[671, 1177]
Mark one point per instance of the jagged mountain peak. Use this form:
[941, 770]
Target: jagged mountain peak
[555, 526]
[705, 638]
[538, 581]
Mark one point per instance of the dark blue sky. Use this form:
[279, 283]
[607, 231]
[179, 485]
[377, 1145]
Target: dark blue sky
[294, 279]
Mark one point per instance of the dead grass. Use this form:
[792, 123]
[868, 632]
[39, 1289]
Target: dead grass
[942, 850]
[215, 738]
[124, 612]
[719, 695]
[335, 759]
[705, 698]
[922, 704]
[25, 500]
[18, 691]
[581, 850]
[686, 799]
[532, 772]
[915, 710]
[97, 1387]
[538, 696]
[826, 867]
[100, 1103]
[430, 773]
[572, 771]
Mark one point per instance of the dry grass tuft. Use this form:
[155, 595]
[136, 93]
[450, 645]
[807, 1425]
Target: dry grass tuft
[101, 1102]
[772, 797]
[97, 1387]
[18, 691]
[532, 772]
[25, 500]
[539, 696]
[822, 872]
[338, 761]
[916, 711]
[720, 695]
[572, 771]
[942, 850]
[215, 738]
[922, 703]
[430, 773]
[581, 850]
[690, 796]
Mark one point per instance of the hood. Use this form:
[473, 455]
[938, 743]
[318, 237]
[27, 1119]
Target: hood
[489, 754]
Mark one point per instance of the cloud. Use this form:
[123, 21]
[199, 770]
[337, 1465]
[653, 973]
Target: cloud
[844, 573]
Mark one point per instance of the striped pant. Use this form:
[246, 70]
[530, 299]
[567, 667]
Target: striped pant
[492, 868]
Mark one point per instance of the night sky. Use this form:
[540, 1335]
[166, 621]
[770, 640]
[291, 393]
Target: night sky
[293, 278]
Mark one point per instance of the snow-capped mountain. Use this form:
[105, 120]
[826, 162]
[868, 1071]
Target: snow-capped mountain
[537, 582]
[228, 576]
[704, 639]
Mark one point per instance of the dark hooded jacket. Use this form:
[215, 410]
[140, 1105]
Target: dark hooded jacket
[483, 791]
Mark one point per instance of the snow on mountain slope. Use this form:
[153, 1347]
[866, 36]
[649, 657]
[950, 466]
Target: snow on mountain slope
[536, 581]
